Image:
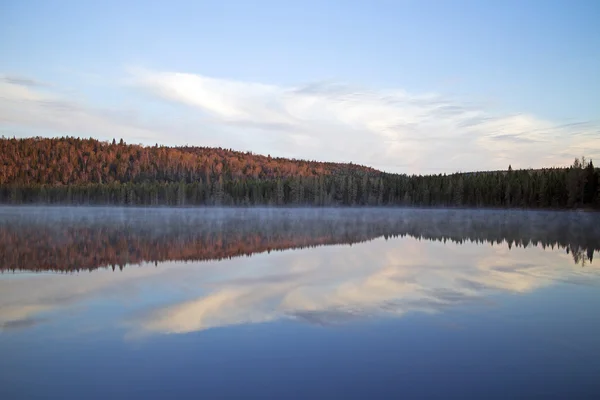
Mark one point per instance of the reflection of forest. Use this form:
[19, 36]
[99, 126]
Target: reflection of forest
[89, 238]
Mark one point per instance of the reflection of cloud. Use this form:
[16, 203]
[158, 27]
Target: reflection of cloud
[21, 316]
[325, 318]
[19, 324]
[323, 286]
[225, 307]
[439, 276]
[25, 298]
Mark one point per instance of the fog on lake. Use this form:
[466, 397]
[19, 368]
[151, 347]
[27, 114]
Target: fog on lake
[296, 303]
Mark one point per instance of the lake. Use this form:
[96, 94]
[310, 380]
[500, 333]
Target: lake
[121, 303]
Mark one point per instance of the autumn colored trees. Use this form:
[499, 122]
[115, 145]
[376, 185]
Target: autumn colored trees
[72, 161]
[87, 171]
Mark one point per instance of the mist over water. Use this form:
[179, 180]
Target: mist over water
[73, 238]
[296, 303]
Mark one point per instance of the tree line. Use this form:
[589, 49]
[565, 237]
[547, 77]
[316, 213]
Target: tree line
[88, 171]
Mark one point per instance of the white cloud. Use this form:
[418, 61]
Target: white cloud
[382, 128]
[388, 129]
[31, 107]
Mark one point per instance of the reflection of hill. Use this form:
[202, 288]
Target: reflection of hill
[67, 239]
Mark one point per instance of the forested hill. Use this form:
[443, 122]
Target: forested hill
[72, 161]
[88, 171]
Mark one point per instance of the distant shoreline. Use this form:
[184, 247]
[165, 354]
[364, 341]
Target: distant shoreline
[73, 171]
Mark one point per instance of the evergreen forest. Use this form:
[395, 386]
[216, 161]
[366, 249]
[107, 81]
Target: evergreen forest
[91, 172]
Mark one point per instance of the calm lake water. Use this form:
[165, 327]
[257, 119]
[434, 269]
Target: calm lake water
[100, 303]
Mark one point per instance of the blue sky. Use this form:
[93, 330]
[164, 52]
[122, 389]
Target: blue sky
[407, 86]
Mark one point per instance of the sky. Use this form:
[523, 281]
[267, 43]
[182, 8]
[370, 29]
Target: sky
[403, 86]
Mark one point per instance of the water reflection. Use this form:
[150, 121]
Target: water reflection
[75, 239]
[394, 273]
[396, 277]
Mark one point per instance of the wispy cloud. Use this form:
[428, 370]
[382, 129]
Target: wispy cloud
[22, 81]
[28, 105]
[388, 129]
[340, 120]
[515, 138]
